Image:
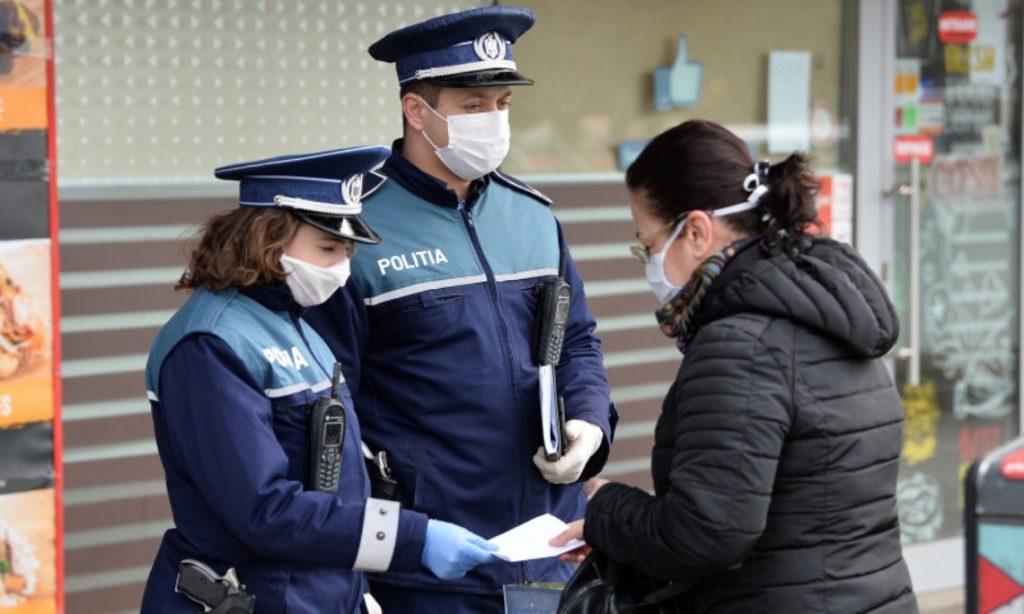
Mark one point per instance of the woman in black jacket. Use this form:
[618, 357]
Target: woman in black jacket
[777, 448]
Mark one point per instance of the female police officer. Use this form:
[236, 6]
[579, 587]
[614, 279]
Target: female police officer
[232, 379]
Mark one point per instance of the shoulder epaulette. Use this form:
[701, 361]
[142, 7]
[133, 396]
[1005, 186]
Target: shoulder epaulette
[519, 186]
[372, 182]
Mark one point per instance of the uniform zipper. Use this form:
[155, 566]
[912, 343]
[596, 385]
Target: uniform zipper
[492, 285]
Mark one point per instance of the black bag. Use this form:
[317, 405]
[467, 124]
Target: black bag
[603, 586]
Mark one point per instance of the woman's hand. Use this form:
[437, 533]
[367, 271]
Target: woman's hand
[590, 486]
[573, 531]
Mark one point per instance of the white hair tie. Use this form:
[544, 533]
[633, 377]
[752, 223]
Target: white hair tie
[751, 183]
[755, 183]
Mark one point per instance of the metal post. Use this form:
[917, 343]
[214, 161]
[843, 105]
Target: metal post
[914, 270]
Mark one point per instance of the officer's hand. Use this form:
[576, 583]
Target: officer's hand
[450, 550]
[584, 439]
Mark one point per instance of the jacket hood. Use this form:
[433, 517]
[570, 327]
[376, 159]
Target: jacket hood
[819, 283]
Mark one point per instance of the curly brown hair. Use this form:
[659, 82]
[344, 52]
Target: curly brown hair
[240, 248]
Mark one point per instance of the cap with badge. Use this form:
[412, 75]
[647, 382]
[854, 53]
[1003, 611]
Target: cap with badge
[468, 49]
[324, 189]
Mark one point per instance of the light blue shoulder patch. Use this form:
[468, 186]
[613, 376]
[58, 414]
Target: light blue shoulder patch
[266, 341]
[519, 186]
[200, 313]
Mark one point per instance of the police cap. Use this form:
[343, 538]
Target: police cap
[324, 189]
[468, 49]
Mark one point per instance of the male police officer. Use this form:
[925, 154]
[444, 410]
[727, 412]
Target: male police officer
[447, 385]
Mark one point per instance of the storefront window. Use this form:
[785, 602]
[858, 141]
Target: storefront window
[594, 63]
[956, 252]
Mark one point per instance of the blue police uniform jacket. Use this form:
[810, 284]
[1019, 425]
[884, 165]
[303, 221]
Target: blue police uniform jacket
[230, 379]
[446, 382]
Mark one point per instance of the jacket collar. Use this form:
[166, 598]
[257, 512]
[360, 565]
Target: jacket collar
[274, 298]
[424, 185]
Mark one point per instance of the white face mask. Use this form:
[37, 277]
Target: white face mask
[311, 284]
[654, 270]
[477, 142]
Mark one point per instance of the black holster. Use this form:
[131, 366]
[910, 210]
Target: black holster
[382, 483]
[235, 604]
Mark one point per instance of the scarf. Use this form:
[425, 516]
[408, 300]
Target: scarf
[676, 317]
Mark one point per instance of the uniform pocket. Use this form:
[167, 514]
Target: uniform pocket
[291, 427]
[416, 323]
[420, 304]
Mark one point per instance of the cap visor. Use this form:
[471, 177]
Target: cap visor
[484, 78]
[347, 227]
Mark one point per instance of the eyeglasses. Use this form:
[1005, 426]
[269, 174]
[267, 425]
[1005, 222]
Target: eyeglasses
[641, 250]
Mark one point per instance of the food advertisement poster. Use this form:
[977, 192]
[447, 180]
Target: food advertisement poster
[26, 335]
[31, 543]
[27, 552]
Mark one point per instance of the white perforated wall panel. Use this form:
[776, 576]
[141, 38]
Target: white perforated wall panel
[158, 91]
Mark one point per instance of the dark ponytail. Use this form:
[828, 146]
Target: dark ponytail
[789, 203]
[702, 165]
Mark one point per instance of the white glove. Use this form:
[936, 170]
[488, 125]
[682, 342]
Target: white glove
[372, 607]
[584, 439]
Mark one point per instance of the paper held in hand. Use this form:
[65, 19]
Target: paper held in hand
[529, 540]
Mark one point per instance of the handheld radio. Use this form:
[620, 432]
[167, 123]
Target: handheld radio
[326, 434]
[552, 314]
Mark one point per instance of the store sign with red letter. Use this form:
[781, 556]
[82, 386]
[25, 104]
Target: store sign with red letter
[957, 27]
[907, 147]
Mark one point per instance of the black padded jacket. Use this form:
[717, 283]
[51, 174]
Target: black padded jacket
[777, 448]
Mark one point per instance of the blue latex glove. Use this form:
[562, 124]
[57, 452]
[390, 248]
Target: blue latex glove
[450, 550]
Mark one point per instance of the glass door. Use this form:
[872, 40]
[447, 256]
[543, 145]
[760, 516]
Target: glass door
[949, 251]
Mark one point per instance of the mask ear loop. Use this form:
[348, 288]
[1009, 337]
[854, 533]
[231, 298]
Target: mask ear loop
[432, 110]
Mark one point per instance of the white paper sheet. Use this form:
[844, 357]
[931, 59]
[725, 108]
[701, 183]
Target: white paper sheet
[548, 408]
[529, 540]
